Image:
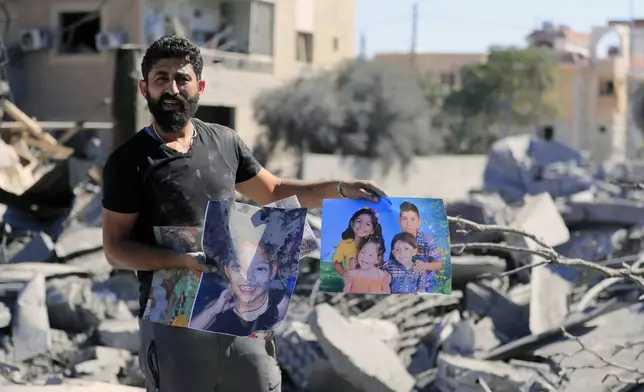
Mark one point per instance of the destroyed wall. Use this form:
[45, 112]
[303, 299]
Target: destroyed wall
[467, 168]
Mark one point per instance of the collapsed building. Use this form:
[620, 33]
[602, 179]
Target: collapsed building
[66, 317]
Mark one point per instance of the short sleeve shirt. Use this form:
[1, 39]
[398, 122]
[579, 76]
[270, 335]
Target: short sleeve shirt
[345, 250]
[170, 188]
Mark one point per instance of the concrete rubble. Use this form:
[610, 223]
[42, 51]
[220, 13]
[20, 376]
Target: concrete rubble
[67, 320]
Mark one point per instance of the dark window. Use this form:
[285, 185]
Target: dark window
[606, 88]
[77, 32]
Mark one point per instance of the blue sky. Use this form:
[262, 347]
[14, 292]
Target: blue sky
[461, 26]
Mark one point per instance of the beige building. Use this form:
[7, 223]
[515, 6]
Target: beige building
[591, 88]
[63, 52]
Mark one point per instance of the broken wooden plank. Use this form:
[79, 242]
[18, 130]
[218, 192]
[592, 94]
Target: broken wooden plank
[48, 149]
[31, 125]
[59, 125]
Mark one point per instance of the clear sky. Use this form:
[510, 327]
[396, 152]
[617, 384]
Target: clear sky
[473, 25]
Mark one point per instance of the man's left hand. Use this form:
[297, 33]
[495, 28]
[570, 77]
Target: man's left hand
[362, 190]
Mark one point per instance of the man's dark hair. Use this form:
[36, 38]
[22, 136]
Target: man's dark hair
[172, 46]
[407, 206]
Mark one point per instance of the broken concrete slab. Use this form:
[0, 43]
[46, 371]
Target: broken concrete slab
[122, 334]
[298, 351]
[524, 164]
[540, 217]
[469, 338]
[24, 272]
[549, 303]
[78, 239]
[465, 374]
[611, 339]
[101, 364]
[5, 315]
[124, 284]
[95, 263]
[360, 357]
[619, 212]
[465, 268]
[31, 332]
[132, 373]
[511, 320]
[324, 378]
[73, 386]
[72, 305]
[591, 245]
[102, 353]
[39, 249]
[385, 330]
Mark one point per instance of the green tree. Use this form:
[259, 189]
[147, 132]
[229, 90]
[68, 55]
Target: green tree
[363, 108]
[508, 92]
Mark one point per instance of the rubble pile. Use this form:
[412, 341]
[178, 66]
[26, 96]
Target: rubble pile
[507, 327]
[67, 318]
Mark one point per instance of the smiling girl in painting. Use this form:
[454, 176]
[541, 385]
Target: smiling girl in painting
[247, 304]
[363, 223]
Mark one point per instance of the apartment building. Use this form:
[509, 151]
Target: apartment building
[64, 52]
[592, 82]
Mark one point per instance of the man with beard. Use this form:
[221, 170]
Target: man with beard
[165, 175]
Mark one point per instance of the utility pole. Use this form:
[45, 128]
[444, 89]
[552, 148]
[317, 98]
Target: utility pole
[363, 45]
[414, 36]
[630, 137]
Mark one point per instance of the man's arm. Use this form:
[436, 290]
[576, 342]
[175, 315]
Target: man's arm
[121, 203]
[123, 253]
[265, 188]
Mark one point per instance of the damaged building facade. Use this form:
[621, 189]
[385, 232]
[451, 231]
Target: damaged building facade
[64, 52]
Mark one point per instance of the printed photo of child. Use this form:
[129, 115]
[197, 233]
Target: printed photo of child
[362, 224]
[353, 250]
[254, 256]
[367, 277]
[405, 278]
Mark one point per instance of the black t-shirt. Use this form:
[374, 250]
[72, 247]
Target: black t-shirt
[230, 323]
[169, 188]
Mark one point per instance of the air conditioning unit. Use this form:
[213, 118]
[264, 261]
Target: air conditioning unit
[107, 40]
[34, 39]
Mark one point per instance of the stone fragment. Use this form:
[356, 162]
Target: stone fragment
[73, 386]
[102, 364]
[132, 373]
[73, 306]
[324, 378]
[464, 374]
[550, 298]
[31, 332]
[466, 268]
[5, 315]
[385, 330]
[511, 320]
[123, 334]
[39, 249]
[95, 263]
[78, 239]
[360, 357]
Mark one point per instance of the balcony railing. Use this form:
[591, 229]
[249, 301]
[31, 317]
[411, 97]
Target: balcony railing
[238, 61]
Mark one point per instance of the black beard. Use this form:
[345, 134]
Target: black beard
[173, 121]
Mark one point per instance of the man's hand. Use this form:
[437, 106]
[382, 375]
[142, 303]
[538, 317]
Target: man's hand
[196, 262]
[361, 190]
